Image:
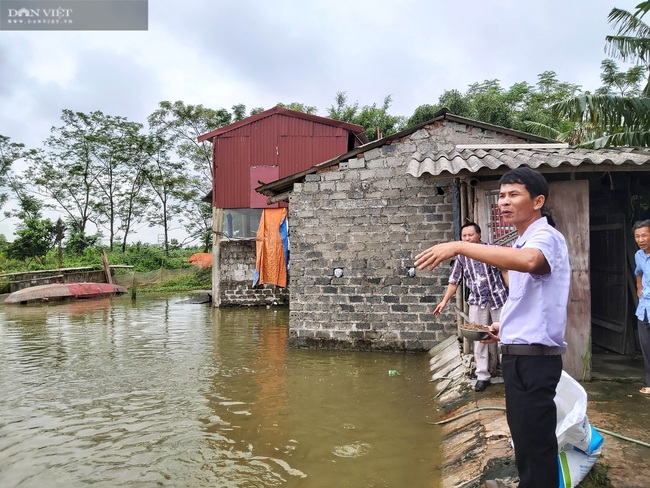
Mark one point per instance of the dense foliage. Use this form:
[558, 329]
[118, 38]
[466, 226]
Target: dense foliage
[143, 257]
[618, 114]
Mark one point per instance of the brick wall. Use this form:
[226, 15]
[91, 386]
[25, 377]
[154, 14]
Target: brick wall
[370, 219]
[237, 269]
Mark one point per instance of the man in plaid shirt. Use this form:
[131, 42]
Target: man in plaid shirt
[487, 295]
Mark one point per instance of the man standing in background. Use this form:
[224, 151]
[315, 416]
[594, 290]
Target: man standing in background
[642, 272]
[487, 295]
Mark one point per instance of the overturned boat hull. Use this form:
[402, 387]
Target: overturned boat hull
[62, 291]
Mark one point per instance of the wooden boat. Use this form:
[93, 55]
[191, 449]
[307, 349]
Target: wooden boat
[62, 291]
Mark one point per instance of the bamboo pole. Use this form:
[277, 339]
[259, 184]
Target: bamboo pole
[107, 268]
[460, 292]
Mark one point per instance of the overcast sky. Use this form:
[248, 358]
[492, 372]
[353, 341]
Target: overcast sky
[220, 53]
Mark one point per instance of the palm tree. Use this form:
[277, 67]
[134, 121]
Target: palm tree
[615, 120]
[632, 43]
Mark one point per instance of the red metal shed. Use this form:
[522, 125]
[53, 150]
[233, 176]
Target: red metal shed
[271, 145]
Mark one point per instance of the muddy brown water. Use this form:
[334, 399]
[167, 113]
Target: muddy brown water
[155, 392]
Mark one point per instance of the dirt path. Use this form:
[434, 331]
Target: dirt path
[620, 408]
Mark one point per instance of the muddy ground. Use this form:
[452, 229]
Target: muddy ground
[477, 447]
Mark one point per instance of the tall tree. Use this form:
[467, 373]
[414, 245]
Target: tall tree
[66, 171]
[514, 107]
[35, 235]
[183, 124]
[632, 41]
[489, 104]
[617, 82]
[90, 169]
[118, 148]
[197, 216]
[135, 197]
[168, 182]
[9, 152]
[605, 120]
[299, 107]
[376, 121]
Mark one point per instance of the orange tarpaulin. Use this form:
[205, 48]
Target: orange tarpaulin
[201, 259]
[271, 264]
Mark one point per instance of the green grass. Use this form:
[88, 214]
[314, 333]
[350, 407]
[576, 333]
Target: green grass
[194, 279]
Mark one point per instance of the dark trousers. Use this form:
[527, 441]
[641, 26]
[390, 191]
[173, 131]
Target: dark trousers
[530, 383]
[644, 342]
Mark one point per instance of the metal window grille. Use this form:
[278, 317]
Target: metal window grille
[499, 232]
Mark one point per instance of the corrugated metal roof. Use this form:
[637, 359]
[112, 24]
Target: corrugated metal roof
[356, 129]
[280, 139]
[455, 161]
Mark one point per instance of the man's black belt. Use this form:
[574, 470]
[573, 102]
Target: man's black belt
[531, 350]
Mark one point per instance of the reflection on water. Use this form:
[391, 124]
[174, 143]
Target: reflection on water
[161, 393]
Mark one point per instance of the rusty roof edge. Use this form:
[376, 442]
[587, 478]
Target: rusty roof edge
[354, 128]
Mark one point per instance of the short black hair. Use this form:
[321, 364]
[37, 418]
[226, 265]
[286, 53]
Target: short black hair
[533, 180]
[535, 184]
[472, 224]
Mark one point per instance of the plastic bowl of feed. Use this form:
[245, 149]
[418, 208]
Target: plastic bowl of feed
[474, 332]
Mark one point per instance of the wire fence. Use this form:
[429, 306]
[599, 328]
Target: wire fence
[136, 279]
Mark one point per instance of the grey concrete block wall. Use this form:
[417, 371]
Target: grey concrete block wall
[236, 277]
[370, 219]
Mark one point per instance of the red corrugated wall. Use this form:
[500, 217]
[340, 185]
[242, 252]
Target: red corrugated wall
[291, 143]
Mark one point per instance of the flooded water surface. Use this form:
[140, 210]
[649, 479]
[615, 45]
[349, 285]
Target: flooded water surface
[162, 393]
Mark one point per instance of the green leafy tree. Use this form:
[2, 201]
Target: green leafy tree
[89, 169]
[490, 105]
[117, 148]
[422, 114]
[376, 121]
[182, 125]
[299, 107]
[66, 171]
[457, 103]
[135, 199]
[197, 216]
[35, 235]
[9, 152]
[181, 161]
[168, 183]
[78, 241]
[623, 83]
[536, 115]
[632, 41]
[238, 112]
[513, 108]
[604, 120]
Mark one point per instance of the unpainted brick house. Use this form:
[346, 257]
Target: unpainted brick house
[357, 222]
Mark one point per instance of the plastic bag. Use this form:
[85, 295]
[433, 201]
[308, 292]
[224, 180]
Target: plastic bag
[579, 443]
